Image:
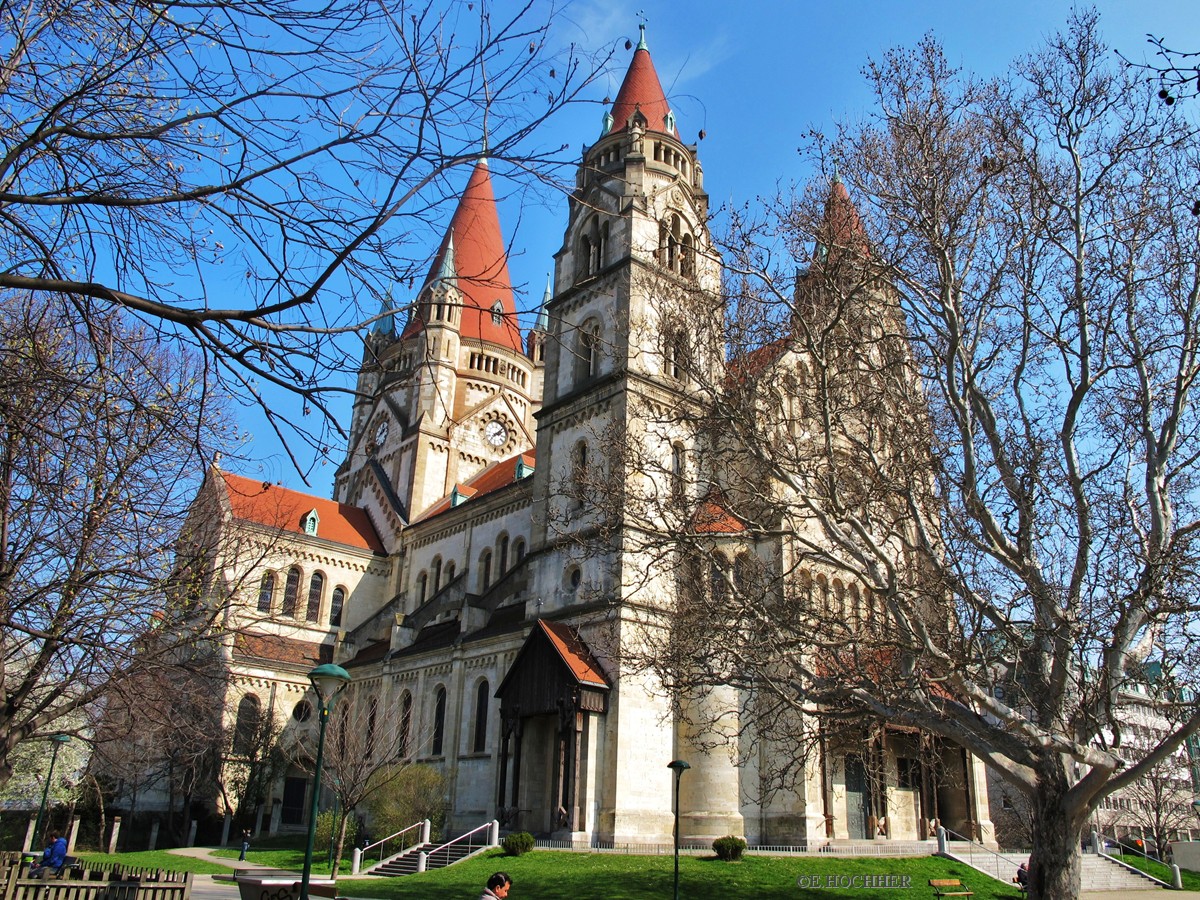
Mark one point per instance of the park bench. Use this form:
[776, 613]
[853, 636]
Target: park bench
[949, 887]
[108, 886]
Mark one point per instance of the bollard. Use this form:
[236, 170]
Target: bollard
[356, 861]
[1095, 842]
[422, 859]
[153, 836]
[116, 832]
[426, 827]
[494, 834]
[941, 836]
[1176, 877]
[72, 836]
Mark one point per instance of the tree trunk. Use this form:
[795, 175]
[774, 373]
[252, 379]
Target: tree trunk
[341, 840]
[1054, 867]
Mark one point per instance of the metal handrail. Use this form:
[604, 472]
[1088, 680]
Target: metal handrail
[1100, 840]
[383, 841]
[463, 837]
[994, 858]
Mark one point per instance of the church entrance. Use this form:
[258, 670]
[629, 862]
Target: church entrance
[856, 798]
[553, 687]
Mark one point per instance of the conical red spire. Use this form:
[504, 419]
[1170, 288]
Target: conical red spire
[473, 253]
[641, 90]
[842, 232]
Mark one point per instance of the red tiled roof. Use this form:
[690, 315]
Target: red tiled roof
[642, 90]
[574, 653]
[373, 652]
[281, 649]
[711, 517]
[275, 506]
[474, 252]
[497, 475]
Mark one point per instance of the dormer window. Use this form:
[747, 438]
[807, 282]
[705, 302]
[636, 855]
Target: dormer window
[497, 313]
[523, 470]
[669, 121]
[310, 521]
[456, 498]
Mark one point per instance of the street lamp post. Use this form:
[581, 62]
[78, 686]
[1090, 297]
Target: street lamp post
[328, 681]
[678, 766]
[59, 740]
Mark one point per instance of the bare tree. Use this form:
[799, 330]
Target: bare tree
[956, 454]
[97, 423]
[253, 178]
[369, 747]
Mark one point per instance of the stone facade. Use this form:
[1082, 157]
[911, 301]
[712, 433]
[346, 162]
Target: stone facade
[470, 613]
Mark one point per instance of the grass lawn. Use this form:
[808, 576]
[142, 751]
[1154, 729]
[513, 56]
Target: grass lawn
[1161, 871]
[550, 875]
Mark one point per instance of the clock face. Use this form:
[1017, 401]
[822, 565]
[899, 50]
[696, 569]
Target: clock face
[381, 432]
[496, 434]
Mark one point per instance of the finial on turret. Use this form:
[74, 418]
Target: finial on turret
[642, 20]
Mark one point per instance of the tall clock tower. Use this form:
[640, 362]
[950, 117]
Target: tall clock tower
[454, 392]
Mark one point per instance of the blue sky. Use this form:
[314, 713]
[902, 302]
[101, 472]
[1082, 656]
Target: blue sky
[755, 76]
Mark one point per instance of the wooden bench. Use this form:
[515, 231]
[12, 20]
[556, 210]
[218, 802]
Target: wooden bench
[949, 887]
[17, 888]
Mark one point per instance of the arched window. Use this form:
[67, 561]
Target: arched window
[481, 715]
[519, 550]
[449, 572]
[741, 573]
[585, 256]
[716, 579]
[602, 249]
[437, 574]
[502, 556]
[335, 606]
[675, 353]
[579, 471]
[439, 720]
[291, 591]
[405, 746]
[266, 592]
[588, 357]
[485, 570]
[677, 471]
[316, 587]
[422, 587]
[687, 257]
[245, 730]
[372, 721]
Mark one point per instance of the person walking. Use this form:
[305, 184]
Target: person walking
[245, 844]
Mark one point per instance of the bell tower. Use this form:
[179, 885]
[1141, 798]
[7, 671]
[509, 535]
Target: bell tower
[636, 264]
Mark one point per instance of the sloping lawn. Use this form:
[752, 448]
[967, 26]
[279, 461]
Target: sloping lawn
[1161, 871]
[550, 875]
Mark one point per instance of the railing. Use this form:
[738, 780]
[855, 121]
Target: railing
[486, 835]
[1100, 845]
[361, 853]
[1000, 866]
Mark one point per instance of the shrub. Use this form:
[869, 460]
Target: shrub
[729, 848]
[517, 843]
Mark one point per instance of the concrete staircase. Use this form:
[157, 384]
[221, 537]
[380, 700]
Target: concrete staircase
[1097, 873]
[437, 856]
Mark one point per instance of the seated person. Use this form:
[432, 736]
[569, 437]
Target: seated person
[1022, 878]
[53, 858]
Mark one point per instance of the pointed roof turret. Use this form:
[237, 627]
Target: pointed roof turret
[543, 319]
[843, 229]
[385, 324]
[473, 257]
[641, 91]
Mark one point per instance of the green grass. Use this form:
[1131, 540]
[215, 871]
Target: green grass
[550, 875]
[159, 859]
[1161, 871]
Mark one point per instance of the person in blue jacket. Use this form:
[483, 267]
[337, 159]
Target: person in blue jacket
[53, 858]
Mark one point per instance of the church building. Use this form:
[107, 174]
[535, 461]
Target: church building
[446, 574]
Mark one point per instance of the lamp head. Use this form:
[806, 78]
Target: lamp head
[328, 680]
[679, 766]
[61, 738]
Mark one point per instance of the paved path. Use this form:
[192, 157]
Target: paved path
[203, 886]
